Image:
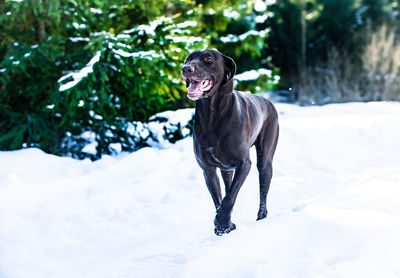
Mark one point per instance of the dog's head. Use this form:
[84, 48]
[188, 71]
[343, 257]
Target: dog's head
[207, 72]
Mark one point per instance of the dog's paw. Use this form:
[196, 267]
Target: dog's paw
[219, 230]
[222, 221]
[262, 214]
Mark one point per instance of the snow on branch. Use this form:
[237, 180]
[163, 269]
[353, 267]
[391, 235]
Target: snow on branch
[252, 74]
[79, 75]
[149, 28]
[139, 54]
[230, 38]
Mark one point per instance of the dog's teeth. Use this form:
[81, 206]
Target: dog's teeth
[206, 83]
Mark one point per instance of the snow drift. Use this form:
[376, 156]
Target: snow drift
[334, 207]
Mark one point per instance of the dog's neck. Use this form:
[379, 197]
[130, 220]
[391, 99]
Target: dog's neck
[226, 87]
[213, 108]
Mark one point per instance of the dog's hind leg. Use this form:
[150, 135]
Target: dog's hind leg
[265, 147]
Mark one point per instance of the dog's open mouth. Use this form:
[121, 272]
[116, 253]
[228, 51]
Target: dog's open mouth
[196, 88]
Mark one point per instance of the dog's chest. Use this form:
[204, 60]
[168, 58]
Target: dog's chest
[218, 145]
[215, 154]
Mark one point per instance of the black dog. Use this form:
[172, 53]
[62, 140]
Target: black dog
[227, 124]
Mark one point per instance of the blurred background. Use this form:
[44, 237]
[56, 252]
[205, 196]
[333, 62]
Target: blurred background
[74, 72]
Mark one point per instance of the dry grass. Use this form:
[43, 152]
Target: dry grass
[338, 80]
[381, 60]
[373, 76]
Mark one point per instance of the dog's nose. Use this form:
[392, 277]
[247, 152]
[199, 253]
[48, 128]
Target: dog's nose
[187, 69]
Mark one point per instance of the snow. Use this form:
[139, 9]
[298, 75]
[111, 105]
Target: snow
[150, 28]
[186, 24]
[230, 38]
[96, 11]
[188, 39]
[101, 33]
[334, 207]
[139, 54]
[79, 39]
[260, 6]
[79, 75]
[123, 36]
[120, 44]
[255, 74]
[94, 115]
[78, 26]
[231, 13]
[181, 117]
[91, 147]
[252, 74]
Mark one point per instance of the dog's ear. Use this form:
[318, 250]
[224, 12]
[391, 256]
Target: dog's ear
[230, 68]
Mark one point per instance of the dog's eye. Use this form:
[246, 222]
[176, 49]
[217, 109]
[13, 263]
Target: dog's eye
[188, 59]
[209, 59]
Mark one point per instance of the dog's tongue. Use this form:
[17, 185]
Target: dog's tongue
[194, 87]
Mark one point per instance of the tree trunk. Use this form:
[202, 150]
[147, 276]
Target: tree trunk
[41, 30]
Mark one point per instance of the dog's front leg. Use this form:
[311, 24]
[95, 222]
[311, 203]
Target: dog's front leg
[223, 224]
[212, 181]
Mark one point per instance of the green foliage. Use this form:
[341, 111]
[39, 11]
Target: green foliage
[245, 41]
[133, 77]
[74, 68]
[24, 114]
[284, 39]
[69, 68]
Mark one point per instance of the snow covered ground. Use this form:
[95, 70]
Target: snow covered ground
[334, 207]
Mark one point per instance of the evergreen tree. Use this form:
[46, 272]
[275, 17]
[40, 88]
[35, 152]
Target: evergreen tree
[374, 12]
[69, 67]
